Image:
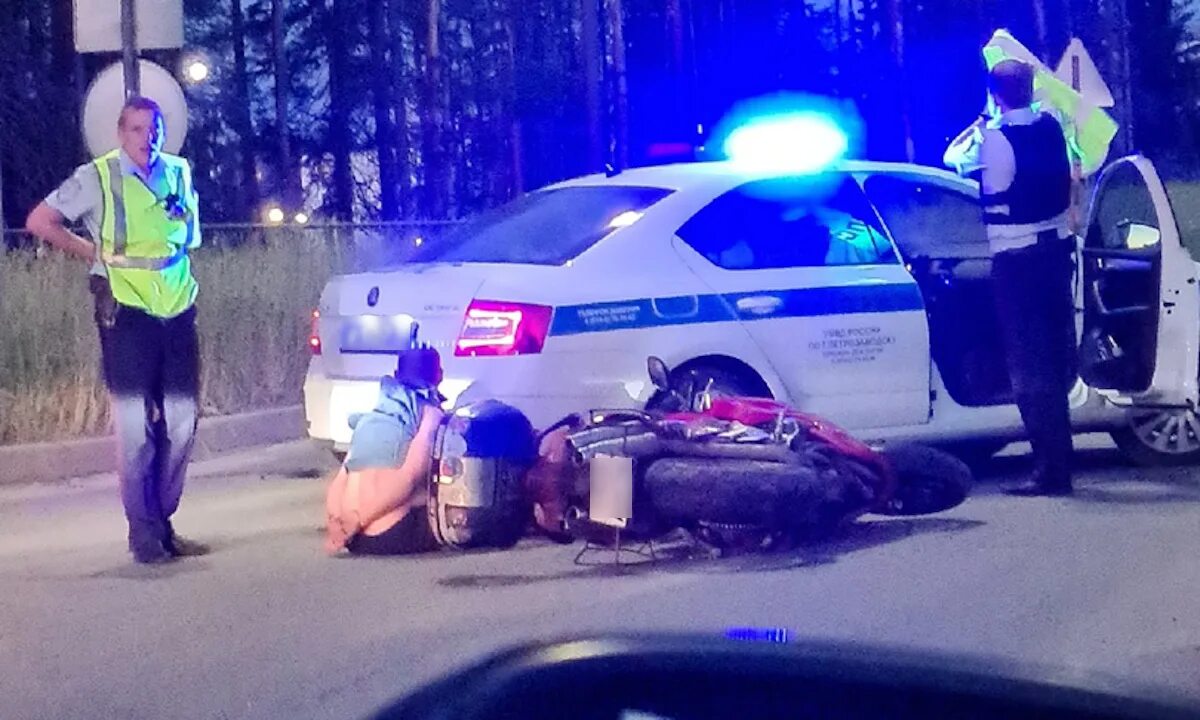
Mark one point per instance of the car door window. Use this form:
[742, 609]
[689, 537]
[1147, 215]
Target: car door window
[789, 222]
[929, 220]
[1124, 217]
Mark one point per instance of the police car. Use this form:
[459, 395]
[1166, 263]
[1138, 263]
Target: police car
[859, 292]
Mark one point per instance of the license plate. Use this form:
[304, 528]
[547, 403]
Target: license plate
[377, 334]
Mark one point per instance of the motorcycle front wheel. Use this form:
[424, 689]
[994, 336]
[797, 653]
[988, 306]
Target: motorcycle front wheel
[928, 480]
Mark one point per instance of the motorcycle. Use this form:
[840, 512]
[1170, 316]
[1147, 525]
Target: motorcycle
[735, 472]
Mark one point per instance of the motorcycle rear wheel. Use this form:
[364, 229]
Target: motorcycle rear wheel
[805, 499]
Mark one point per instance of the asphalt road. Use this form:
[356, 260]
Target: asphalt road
[268, 627]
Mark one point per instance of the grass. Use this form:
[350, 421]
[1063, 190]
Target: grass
[1185, 201]
[253, 319]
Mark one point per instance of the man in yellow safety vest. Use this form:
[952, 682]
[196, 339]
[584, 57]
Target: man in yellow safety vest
[141, 210]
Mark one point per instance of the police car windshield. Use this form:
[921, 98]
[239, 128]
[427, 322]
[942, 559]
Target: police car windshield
[547, 227]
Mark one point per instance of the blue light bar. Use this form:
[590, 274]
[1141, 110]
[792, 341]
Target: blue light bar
[755, 634]
[801, 143]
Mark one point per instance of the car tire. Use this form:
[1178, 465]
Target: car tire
[1139, 439]
[976, 452]
[806, 498]
[929, 480]
[727, 382]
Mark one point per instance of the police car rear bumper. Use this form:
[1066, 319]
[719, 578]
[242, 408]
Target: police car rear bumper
[329, 402]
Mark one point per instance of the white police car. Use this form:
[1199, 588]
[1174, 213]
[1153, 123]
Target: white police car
[860, 293]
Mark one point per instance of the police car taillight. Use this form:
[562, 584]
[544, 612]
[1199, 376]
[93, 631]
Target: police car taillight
[503, 328]
[314, 336]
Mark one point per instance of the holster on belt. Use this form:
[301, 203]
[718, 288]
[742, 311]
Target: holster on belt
[106, 304]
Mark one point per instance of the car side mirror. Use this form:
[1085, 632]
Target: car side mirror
[1139, 236]
[659, 374]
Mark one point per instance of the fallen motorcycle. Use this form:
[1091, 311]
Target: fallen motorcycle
[734, 471]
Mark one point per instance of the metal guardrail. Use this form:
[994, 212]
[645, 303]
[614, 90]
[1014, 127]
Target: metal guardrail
[310, 226]
[225, 235]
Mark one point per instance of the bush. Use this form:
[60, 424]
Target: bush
[253, 309]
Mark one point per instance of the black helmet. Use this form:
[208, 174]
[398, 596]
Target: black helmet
[420, 368]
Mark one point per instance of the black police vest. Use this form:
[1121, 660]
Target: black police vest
[1041, 188]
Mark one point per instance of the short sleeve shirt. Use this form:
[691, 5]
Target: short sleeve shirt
[80, 198]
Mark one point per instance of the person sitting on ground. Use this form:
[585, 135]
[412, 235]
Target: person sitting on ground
[376, 504]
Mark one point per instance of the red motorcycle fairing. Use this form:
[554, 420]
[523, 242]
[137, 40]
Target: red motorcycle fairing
[764, 412]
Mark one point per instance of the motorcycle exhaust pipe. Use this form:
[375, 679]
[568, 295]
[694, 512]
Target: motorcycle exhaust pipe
[589, 444]
[765, 453]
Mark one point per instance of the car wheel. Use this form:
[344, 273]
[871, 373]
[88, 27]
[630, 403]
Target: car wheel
[1158, 438]
[724, 381]
[974, 453]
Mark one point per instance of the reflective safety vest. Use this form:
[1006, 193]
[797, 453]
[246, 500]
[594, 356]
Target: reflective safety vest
[143, 247]
[1041, 187]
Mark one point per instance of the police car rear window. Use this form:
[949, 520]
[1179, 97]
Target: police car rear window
[547, 227]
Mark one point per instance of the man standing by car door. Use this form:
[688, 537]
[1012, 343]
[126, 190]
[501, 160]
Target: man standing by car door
[140, 207]
[1026, 195]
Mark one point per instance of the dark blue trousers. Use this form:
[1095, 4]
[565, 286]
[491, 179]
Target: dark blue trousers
[1036, 308]
[152, 369]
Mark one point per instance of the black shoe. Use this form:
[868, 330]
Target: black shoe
[1037, 488]
[153, 557]
[179, 546]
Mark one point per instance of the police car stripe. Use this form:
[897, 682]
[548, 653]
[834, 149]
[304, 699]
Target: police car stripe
[698, 309]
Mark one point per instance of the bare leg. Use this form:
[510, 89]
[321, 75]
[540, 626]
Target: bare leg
[336, 534]
[387, 490]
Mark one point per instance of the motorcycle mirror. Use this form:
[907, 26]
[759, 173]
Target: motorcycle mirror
[659, 375]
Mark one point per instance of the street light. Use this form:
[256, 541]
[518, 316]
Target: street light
[275, 215]
[196, 70]
[301, 218]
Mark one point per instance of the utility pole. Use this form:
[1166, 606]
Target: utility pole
[129, 48]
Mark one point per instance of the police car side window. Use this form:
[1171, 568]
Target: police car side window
[787, 222]
[928, 220]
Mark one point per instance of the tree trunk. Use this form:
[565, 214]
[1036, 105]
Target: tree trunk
[895, 34]
[620, 90]
[1121, 60]
[242, 121]
[287, 169]
[384, 127]
[1041, 49]
[677, 82]
[433, 154]
[400, 27]
[62, 73]
[339, 111]
[62, 33]
[674, 17]
[590, 59]
[510, 126]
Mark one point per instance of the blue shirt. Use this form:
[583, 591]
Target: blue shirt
[80, 198]
[382, 436]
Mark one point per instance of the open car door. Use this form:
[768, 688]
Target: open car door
[1141, 306]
